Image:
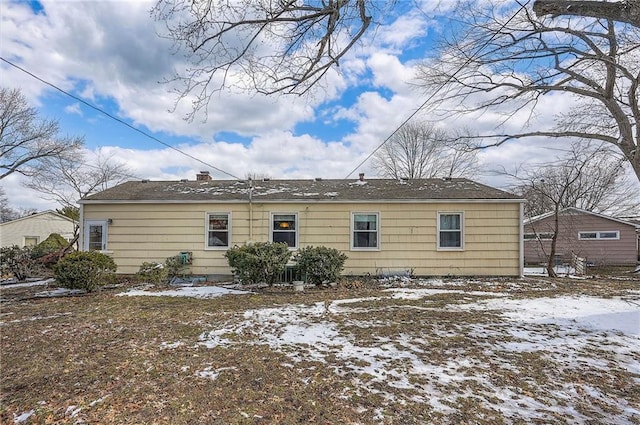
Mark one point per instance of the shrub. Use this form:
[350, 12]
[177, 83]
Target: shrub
[174, 267]
[18, 261]
[152, 272]
[84, 270]
[259, 262]
[53, 243]
[320, 264]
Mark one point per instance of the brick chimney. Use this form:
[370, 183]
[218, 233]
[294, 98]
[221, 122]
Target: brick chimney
[361, 177]
[203, 176]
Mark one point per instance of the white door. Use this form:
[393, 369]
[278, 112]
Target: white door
[95, 235]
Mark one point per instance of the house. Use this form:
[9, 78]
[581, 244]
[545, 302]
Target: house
[600, 239]
[427, 227]
[34, 228]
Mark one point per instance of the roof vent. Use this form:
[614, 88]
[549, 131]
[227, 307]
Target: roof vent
[266, 179]
[145, 181]
[447, 179]
[184, 180]
[404, 179]
[318, 179]
[203, 176]
[361, 177]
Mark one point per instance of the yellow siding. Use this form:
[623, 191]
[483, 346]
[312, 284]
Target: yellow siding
[408, 235]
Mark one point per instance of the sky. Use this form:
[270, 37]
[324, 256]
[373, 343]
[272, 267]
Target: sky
[110, 55]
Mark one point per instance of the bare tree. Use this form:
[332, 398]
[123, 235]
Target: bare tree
[420, 150]
[67, 180]
[7, 213]
[622, 11]
[269, 46]
[505, 60]
[591, 179]
[27, 140]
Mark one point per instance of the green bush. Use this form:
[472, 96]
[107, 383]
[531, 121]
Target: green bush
[53, 243]
[18, 262]
[260, 262]
[85, 270]
[152, 272]
[320, 264]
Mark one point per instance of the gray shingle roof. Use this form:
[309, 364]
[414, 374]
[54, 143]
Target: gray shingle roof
[300, 190]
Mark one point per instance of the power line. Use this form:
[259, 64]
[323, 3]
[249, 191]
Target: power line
[102, 111]
[460, 68]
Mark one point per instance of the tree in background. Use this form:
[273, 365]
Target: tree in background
[7, 213]
[66, 180]
[26, 140]
[503, 60]
[591, 179]
[419, 150]
[498, 57]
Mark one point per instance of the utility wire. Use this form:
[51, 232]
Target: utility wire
[102, 111]
[451, 77]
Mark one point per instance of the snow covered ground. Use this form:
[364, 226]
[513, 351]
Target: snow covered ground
[502, 335]
[502, 352]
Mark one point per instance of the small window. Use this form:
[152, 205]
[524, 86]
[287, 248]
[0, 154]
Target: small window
[599, 235]
[284, 228]
[450, 231]
[31, 241]
[365, 233]
[218, 230]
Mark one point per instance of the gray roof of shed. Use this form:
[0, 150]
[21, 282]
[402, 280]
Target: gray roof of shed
[299, 190]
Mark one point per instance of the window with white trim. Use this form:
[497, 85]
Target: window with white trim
[450, 226]
[218, 230]
[95, 235]
[365, 231]
[609, 234]
[284, 228]
[31, 241]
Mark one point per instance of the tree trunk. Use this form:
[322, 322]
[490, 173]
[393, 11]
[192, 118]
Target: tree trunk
[621, 11]
[554, 239]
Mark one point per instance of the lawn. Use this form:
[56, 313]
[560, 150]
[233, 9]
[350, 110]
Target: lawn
[429, 351]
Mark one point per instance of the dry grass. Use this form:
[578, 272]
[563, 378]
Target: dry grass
[104, 359]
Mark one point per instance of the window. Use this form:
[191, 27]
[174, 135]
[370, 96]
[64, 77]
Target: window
[599, 235]
[450, 231]
[284, 229]
[365, 231]
[95, 235]
[218, 230]
[30, 241]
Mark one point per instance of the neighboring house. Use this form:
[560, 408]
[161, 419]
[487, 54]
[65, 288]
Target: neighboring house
[428, 227]
[599, 239]
[34, 228]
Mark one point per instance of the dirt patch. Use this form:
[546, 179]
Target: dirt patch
[428, 351]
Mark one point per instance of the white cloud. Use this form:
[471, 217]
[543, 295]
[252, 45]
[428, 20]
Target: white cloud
[74, 108]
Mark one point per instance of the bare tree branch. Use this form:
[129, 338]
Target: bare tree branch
[25, 139]
[622, 11]
[420, 150]
[592, 179]
[268, 46]
[591, 64]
